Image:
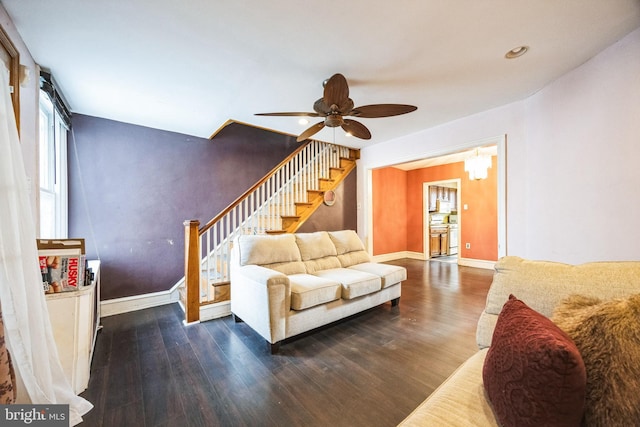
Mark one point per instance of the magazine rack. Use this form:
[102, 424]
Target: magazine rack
[75, 321]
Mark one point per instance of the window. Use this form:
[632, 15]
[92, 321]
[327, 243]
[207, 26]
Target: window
[53, 171]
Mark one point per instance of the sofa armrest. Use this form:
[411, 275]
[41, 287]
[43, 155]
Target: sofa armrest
[261, 297]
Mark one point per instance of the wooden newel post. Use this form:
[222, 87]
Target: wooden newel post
[192, 270]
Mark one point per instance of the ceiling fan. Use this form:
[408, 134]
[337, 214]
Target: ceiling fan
[335, 104]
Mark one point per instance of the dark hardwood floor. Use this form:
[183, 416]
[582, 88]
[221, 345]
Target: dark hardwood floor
[372, 369]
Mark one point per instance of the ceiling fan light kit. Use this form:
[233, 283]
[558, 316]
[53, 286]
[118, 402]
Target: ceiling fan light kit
[335, 105]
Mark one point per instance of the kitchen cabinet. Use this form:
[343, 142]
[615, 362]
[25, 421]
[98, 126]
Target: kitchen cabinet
[434, 244]
[453, 199]
[439, 240]
[446, 194]
[433, 197]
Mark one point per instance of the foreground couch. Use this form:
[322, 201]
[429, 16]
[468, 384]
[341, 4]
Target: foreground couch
[283, 285]
[596, 305]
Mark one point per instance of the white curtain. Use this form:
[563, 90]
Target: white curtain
[24, 308]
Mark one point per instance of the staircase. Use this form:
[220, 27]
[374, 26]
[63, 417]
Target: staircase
[279, 203]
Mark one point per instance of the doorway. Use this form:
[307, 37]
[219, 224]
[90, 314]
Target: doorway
[415, 247]
[441, 227]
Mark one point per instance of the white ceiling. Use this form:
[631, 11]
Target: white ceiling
[189, 66]
[461, 156]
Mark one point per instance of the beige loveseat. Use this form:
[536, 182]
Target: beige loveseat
[287, 284]
[461, 400]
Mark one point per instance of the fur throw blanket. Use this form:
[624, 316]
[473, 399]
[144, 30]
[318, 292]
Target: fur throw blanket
[607, 334]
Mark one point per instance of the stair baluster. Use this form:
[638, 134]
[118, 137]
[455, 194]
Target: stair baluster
[281, 194]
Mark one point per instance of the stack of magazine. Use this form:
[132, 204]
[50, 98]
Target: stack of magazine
[63, 265]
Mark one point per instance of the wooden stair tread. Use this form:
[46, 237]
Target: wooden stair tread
[267, 214]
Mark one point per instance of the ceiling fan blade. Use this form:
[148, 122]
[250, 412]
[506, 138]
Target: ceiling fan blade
[311, 131]
[324, 110]
[356, 129]
[345, 106]
[381, 110]
[289, 114]
[321, 107]
[336, 90]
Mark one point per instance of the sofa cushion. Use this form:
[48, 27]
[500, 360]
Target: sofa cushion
[308, 290]
[319, 264]
[317, 251]
[390, 274]
[607, 333]
[279, 252]
[349, 248]
[315, 245]
[346, 241]
[354, 283]
[533, 373]
[352, 258]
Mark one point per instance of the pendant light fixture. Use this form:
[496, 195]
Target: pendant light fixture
[477, 165]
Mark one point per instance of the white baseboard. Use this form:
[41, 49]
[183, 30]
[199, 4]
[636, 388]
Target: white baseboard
[477, 263]
[215, 310]
[111, 307]
[415, 255]
[397, 255]
[140, 302]
[211, 311]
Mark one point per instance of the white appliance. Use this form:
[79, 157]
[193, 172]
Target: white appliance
[443, 206]
[453, 239]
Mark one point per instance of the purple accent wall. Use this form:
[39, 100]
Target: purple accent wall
[340, 216]
[131, 188]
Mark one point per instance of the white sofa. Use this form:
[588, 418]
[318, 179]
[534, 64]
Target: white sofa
[461, 400]
[283, 285]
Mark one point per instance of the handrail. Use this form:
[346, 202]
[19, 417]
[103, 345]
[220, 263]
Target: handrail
[269, 205]
[244, 195]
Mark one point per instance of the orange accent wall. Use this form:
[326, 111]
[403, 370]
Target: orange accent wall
[479, 223]
[389, 197]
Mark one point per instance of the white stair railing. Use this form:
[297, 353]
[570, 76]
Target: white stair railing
[262, 209]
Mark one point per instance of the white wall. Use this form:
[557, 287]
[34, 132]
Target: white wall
[573, 148]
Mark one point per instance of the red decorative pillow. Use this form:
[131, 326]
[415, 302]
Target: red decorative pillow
[533, 373]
